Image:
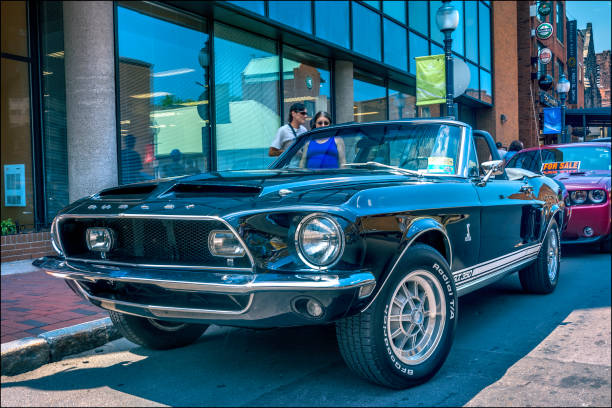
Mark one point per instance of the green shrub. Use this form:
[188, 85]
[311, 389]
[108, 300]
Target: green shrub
[8, 227]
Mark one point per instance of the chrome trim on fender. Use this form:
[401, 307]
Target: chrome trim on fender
[159, 216]
[552, 217]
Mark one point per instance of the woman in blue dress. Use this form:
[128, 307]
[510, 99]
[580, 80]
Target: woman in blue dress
[326, 153]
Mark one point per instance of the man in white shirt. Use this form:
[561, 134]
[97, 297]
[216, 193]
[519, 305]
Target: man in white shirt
[286, 134]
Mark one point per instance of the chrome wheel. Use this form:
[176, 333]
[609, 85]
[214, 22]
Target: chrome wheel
[416, 317]
[552, 255]
[166, 326]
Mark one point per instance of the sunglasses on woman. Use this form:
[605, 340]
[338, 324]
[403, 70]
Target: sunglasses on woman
[322, 123]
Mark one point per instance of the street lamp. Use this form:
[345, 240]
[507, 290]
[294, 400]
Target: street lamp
[563, 87]
[447, 19]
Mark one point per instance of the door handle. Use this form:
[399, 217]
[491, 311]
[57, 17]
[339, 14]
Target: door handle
[526, 188]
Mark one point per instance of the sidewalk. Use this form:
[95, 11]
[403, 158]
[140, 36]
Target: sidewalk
[34, 302]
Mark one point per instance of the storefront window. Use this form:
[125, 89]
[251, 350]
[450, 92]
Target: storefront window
[418, 48]
[484, 28]
[246, 98]
[370, 102]
[436, 34]
[163, 89]
[473, 88]
[292, 13]
[331, 21]
[54, 108]
[17, 193]
[306, 79]
[402, 101]
[395, 9]
[486, 89]
[417, 16]
[395, 45]
[471, 30]
[560, 27]
[366, 31]
[254, 6]
[457, 35]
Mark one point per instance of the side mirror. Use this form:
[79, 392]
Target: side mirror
[491, 168]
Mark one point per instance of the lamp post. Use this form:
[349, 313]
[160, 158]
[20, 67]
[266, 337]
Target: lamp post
[447, 20]
[563, 87]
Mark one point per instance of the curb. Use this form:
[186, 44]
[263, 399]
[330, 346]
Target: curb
[29, 353]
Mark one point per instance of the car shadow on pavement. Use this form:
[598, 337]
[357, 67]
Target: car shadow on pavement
[498, 326]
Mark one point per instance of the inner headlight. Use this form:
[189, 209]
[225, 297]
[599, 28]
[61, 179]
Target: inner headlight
[597, 196]
[100, 239]
[225, 244]
[578, 197]
[319, 241]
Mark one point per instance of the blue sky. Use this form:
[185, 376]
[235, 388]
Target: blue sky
[596, 12]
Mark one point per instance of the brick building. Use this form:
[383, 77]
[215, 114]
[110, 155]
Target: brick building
[592, 97]
[603, 76]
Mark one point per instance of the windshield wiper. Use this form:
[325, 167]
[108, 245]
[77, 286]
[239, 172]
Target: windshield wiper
[385, 166]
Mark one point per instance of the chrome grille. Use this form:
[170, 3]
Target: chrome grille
[151, 241]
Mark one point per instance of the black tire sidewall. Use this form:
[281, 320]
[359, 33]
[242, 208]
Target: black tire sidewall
[425, 258]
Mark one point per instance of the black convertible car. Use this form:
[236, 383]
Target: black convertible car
[378, 227]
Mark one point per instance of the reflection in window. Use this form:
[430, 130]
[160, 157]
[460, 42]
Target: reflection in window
[486, 94]
[54, 108]
[436, 34]
[293, 13]
[436, 49]
[246, 98]
[254, 6]
[418, 48]
[457, 35]
[560, 26]
[395, 45]
[163, 93]
[370, 98]
[473, 89]
[485, 35]
[417, 16]
[331, 21]
[375, 4]
[366, 31]
[306, 79]
[14, 28]
[402, 102]
[471, 30]
[395, 9]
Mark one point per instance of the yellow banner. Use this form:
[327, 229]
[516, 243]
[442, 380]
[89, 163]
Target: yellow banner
[431, 80]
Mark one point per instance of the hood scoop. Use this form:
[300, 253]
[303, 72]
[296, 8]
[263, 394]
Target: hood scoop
[127, 192]
[183, 190]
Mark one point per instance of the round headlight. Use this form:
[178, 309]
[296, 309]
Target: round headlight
[578, 197]
[597, 196]
[319, 241]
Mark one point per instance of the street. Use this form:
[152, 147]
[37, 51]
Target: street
[511, 349]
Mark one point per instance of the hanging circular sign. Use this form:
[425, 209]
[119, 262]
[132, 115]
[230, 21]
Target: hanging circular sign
[544, 31]
[544, 9]
[545, 55]
[545, 82]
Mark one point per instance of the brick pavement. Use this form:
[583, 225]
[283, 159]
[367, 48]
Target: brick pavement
[34, 302]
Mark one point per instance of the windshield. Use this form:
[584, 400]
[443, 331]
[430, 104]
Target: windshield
[419, 148]
[569, 159]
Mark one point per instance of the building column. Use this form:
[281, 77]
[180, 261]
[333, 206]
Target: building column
[344, 98]
[90, 96]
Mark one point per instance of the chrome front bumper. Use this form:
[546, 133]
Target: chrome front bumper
[271, 301]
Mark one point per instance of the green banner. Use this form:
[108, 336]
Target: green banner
[431, 80]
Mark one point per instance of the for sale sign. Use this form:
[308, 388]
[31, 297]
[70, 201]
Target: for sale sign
[555, 167]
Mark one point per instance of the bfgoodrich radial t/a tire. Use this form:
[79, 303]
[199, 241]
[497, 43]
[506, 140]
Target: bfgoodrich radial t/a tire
[542, 276]
[405, 335]
[156, 334]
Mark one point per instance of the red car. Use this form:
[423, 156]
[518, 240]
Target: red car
[584, 169]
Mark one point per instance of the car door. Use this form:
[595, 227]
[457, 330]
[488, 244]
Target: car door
[509, 210]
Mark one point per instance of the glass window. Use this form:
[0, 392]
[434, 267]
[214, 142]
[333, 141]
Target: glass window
[254, 6]
[471, 30]
[473, 88]
[418, 48]
[163, 90]
[293, 13]
[395, 9]
[436, 49]
[332, 21]
[17, 193]
[306, 79]
[486, 94]
[436, 34]
[560, 20]
[417, 16]
[246, 98]
[402, 101]
[375, 4]
[484, 29]
[457, 44]
[366, 31]
[14, 28]
[370, 98]
[54, 108]
[396, 53]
